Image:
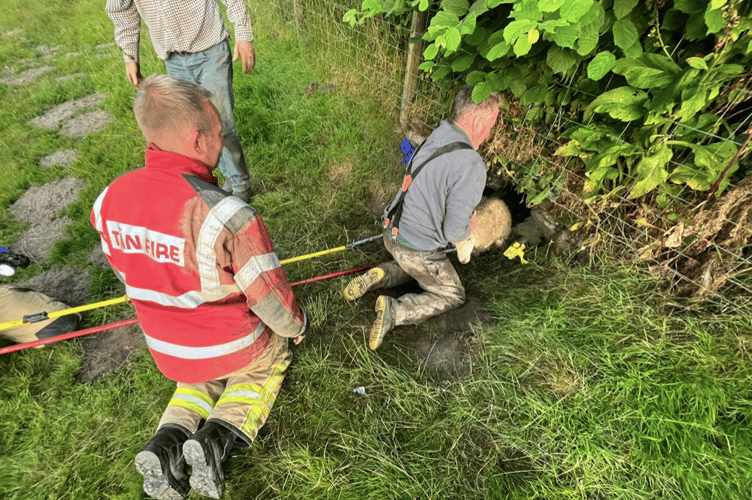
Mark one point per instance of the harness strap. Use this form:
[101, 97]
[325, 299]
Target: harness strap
[395, 212]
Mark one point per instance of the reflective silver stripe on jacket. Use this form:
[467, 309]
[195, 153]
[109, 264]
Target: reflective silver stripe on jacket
[97, 209]
[254, 267]
[207, 238]
[207, 352]
[188, 300]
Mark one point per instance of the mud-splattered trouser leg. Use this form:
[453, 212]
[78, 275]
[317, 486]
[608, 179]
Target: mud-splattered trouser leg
[433, 272]
[212, 69]
[241, 402]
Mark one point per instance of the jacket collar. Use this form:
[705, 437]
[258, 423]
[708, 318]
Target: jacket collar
[176, 163]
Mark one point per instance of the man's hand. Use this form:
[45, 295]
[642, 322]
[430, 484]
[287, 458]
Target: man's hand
[133, 72]
[303, 331]
[473, 223]
[244, 51]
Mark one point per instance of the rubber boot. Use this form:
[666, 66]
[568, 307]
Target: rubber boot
[162, 464]
[206, 451]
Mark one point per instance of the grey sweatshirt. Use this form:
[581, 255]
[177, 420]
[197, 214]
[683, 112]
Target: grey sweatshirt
[441, 199]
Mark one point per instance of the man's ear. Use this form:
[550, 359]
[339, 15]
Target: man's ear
[197, 141]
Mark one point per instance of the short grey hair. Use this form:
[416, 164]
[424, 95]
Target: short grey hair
[464, 104]
[167, 106]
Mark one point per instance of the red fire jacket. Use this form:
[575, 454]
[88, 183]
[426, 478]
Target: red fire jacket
[198, 266]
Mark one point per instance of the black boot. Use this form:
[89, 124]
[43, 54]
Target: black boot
[162, 464]
[206, 451]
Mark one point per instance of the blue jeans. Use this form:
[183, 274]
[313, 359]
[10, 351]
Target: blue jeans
[212, 69]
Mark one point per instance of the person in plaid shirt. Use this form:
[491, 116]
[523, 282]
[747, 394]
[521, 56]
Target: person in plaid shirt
[190, 36]
[213, 301]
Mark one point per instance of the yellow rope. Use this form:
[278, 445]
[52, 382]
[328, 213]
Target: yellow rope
[20, 322]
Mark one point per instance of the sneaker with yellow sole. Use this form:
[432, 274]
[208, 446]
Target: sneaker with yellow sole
[383, 324]
[359, 285]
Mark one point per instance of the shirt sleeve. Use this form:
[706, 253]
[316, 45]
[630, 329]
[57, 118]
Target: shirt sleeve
[127, 23]
[264, 282]
[237, 13]
[464, 195]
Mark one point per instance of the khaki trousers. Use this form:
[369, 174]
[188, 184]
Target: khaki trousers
[242, 401]
[433, 272]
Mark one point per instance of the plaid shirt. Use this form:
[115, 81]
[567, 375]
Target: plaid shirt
[175, 25]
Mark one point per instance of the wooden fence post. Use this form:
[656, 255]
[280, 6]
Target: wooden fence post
[414, 53]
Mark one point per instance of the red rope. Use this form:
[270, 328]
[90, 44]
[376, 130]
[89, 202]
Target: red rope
[133, 321]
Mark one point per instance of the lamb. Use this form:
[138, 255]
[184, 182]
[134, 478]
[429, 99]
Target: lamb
[494, 224]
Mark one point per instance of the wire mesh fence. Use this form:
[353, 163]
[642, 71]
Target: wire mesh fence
[701, 246]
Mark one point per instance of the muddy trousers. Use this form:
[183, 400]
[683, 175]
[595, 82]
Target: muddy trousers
[433, 272]
[241, 402]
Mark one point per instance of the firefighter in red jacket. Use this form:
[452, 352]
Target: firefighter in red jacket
[214, 303]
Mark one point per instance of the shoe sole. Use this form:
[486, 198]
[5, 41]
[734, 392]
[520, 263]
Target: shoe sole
[377, 330]
[363, 283]
[202, 477]
[155, 483]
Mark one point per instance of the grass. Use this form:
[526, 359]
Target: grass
[586, 384]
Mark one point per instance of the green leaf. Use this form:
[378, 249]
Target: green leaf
[609, 156]
[714, 156]
[497, 51]
[622, 8]
[647, 72]
[550, 5]
[697, 62]
[566, 36]
[349, 17]
[588, 39]
[634, 51]
[572, 148]
[623, 103]
[601, 65]
[730, 69]
[445, 19]
[467, 26]
[695, 27]
[551, 25]
[475, 77]
[453, 39]
[527, 9]
[625, 33]
[481, 92]
[533, 35]
[440, 73]
[426, 66]
[714, 20]
[517, 28]
[534, 95]
[573, 10]
[492, 4]
[522, 46]
[697, 100]
[560, 60]
[596, 15]
[462, 63]
[717, 4]
[691, 176]
[651, 172]
[430, 52]
[477, 8]
[690, 6]
[477, 37]
[373, 6]
[456, 7]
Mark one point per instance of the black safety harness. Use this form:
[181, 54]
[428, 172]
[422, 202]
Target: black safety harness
[395, 213]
